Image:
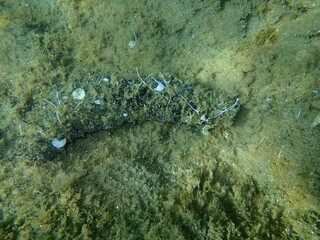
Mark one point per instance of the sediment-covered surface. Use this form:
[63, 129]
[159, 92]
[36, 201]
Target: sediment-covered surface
[200, 119]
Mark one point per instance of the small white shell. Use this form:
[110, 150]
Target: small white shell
[205, 130]
[159, 87]
[132, 43]
[58, 143]
[78, 94]
[105, 79]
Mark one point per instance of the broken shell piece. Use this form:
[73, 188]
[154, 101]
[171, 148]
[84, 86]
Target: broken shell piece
[78, 94]
[205, 130]
[58, 143]
[159, 87]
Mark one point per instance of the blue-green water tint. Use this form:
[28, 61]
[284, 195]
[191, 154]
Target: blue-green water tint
[150, 178]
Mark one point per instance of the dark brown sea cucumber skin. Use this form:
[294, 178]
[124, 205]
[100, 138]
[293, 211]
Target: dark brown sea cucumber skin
[127, 100]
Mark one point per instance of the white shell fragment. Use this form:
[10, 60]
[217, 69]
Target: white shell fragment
[78, 94]
[159, 87]
[58, 143]
[98, 102]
